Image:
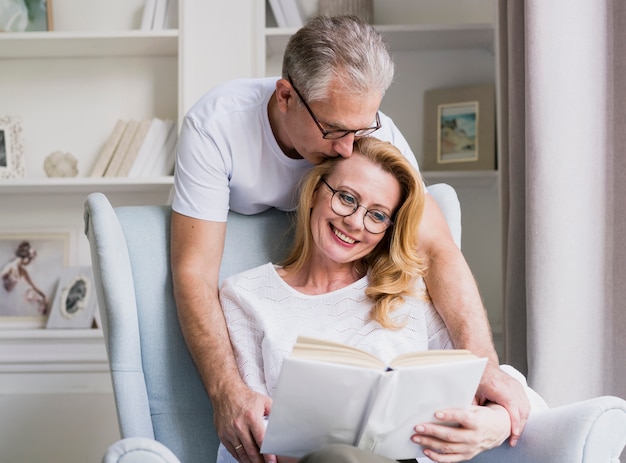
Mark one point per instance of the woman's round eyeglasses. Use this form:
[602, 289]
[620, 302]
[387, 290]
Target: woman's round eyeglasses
[345, 204]
[335, 134]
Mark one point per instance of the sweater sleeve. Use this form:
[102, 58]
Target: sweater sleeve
[245, 337]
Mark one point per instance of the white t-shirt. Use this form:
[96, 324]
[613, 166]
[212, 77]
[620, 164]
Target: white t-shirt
[228, 156]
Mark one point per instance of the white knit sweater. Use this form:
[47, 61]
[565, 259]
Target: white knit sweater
[265, 316]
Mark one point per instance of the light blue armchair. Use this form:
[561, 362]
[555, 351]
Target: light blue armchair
[164, 413]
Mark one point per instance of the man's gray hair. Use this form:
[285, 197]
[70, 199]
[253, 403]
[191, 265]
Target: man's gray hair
[344, 49]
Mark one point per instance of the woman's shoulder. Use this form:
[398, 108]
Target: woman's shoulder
[259, 274]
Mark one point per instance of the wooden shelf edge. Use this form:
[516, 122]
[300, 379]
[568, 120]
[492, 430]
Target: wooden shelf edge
[74, 44]
[84, 185]
[476, 178]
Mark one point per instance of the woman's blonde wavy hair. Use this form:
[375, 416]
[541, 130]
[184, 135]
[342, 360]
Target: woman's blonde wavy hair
[394, 265]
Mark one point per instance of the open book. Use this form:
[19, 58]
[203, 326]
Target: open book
[333, 393]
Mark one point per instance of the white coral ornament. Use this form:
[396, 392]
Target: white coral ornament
[60, 164]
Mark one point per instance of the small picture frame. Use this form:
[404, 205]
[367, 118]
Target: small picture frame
[459, 128]
[26, 16]
[30, 267]
[12, 163]
[75, 302]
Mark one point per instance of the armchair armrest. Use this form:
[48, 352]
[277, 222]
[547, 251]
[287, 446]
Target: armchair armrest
[590, 431]
[139, 450]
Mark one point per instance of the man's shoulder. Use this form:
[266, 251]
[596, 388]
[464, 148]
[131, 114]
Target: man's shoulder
[235, 95]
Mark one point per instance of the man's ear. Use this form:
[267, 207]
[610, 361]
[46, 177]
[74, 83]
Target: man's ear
[284, 95]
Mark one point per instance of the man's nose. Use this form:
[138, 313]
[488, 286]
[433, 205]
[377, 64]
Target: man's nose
[344, 145]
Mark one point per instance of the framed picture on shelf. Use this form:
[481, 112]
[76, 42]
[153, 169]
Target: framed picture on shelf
[459, 128]
[11, 149]
[30, 267]
[26, 16]
[74, 303]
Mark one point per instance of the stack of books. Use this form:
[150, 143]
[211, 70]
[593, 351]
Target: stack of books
[144, 148]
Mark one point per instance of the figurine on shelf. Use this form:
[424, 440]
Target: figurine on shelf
[60, 164]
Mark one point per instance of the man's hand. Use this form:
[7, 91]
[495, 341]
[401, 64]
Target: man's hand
[238, 418]
[498, 387]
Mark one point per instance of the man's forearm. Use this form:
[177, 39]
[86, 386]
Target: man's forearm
[455, 295]
[205, 332]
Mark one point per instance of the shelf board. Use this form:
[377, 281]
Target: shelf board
[462, 178]
[416, 37]
[63, 44]
[84, 185]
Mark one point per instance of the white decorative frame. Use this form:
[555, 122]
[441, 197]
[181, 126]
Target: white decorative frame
[28, 282]
[12, 163]
[75, 302]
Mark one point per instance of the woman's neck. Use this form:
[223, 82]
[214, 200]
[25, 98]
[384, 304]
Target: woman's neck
[317, 278]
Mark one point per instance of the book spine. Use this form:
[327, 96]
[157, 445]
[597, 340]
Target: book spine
[135, 146]
[293, 13]
[147, 17]
[122, 148]
[159, 15]
[277, 10]
[107, 151]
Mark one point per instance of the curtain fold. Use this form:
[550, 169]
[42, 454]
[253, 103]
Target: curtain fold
[563, 169]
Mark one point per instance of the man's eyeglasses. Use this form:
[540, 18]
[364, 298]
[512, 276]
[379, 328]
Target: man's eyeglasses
[335, 134]
[345, 204]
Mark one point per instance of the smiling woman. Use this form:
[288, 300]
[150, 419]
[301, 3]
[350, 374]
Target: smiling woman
[354, 276]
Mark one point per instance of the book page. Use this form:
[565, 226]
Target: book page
[418, 393]
[430, 356]
[328, 351]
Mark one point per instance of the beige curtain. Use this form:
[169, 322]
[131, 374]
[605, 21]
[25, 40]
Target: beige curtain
[562, 67]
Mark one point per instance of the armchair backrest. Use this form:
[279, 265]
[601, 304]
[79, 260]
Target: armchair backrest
[158, 392]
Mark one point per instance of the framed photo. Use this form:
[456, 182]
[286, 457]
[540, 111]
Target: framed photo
[26, 15]
[459, 128]
[11, 149]
[74, 302]
[30, 267]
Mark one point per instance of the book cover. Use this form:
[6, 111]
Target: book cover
[122, 148]
[171, 15]
[362, 402]
[159, 164]
[107, 151]
[155, 139]
[134, 147]
[277, 10]
[160, 10]
[147, 17]
[292, 10]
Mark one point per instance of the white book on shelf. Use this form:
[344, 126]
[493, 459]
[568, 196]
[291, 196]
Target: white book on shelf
[277, 10]
[134, 147]
[159, 167]
[159, 15]
[147, 18]
[108, 149]
[122, 148]
[170, 161]
[171, 15]
[155, 138]
[293, 12]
